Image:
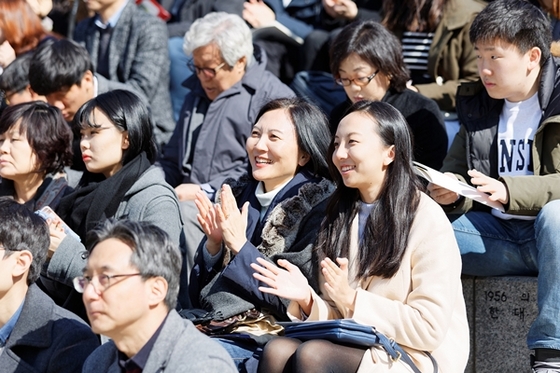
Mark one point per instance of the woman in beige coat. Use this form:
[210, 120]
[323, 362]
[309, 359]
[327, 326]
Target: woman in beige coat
[388, 258]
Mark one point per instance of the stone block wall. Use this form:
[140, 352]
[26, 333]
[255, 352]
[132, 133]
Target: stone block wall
[500, 311]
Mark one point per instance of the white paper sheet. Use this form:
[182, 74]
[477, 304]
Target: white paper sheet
[455, 185]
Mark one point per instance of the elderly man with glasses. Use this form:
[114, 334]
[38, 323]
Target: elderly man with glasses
[130, 285]
[228, 88]
[35, 334]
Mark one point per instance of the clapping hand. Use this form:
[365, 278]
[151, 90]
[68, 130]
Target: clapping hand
[233, 223]
[336, 283]
[207, 218]
[286, 282]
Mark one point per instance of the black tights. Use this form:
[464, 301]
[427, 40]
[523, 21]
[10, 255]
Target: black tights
[287, 355]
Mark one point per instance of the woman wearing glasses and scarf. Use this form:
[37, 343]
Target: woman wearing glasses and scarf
[366, 59]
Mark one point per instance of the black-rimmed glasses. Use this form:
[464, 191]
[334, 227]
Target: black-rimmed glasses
[103, 281]
[209, 72]
[363, 81]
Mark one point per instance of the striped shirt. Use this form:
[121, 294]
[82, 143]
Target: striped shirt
[416, 46]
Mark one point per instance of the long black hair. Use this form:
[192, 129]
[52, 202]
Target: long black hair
[385, 236]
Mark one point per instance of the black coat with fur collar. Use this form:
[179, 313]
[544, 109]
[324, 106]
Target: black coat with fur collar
[287, 231]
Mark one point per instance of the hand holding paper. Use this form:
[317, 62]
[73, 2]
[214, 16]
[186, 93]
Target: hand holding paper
[486, 185]
[497, 190]
[441, 195]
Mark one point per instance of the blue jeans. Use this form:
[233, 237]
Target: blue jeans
[495, 247]
[178, 73]
[240, 351]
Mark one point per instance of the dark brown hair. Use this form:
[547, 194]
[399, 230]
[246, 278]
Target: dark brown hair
[413, 15]
[45, 129]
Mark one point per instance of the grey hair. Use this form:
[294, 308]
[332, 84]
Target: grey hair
[153, 253]
[228, 31]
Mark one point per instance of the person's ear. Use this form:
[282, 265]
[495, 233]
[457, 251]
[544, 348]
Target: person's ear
[389, 155]
[23, 260]
[303, 159]
[87, 82]
[241, 64]
[125, 142]
[158, 290]
[535, 55]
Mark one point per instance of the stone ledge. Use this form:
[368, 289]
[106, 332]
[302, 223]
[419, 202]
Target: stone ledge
[500, 311]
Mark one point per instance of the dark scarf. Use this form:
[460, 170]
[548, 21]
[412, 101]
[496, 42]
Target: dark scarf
[96, 198]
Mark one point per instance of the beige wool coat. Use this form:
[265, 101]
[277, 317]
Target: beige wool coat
[421, 307]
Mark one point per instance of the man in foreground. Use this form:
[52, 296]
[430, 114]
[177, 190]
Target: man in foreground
[130, 287]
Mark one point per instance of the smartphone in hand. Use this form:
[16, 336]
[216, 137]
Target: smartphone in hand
[47, 213]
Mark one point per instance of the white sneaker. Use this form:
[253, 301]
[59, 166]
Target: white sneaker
[546, 367]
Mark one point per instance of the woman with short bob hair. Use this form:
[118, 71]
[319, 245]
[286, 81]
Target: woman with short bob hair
[282, 203]
[387, 258]
[120, 182]
[128, 115]
[366, 59]
[35, 146]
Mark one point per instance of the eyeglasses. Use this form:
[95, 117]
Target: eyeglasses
[209, 72]
[363, 81]
[103, 282]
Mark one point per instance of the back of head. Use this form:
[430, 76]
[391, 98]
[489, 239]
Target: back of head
[21, 27]
[413, 15]
[15, 77]
[374, 44]
[228, 31]
[153, 253]
[58, 65]
[47, 132]
[128, 113]
[516, 22]
[312, 130]
[21, 229]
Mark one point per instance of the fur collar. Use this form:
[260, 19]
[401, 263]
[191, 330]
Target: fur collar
[282, 225]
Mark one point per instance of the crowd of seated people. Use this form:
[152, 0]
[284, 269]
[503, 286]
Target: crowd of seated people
[177, 237]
